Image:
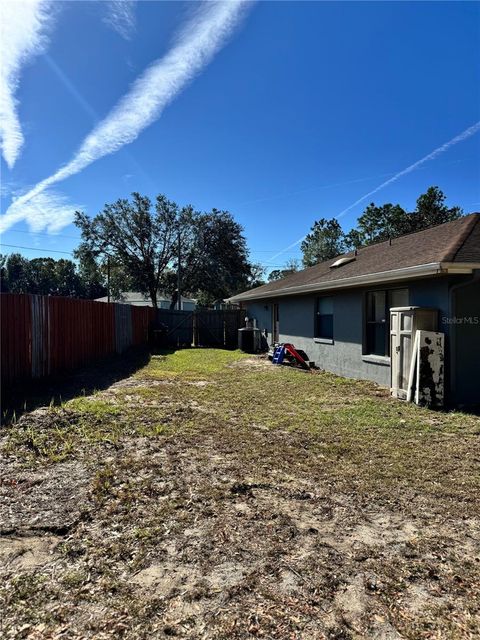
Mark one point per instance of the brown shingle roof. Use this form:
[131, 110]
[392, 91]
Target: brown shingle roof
[457, 241]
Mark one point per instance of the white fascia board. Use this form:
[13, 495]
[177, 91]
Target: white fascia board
[459, 267]
[417, 271]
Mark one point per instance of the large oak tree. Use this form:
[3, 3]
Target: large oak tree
[136, 236]
[214, 262]
[144, 243]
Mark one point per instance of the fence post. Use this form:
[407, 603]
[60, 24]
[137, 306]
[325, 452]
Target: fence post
[195, 331]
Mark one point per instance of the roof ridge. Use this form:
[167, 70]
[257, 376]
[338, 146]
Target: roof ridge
[388, 241]
[457, 243]
[455, 240]
[412, 233]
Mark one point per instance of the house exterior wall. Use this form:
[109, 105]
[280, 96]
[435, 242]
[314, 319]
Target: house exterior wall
[187, 305]
[465, 337]
[345, 357]
[139, 300]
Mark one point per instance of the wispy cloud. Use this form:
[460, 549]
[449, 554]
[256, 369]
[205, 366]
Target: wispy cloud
[47, 210]
[468, 133]
[23, 35]
[160, 83]
[120, 16]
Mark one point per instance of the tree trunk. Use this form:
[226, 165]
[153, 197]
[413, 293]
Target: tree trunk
[173, 303]
[153, 298]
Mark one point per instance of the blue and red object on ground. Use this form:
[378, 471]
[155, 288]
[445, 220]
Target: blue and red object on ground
[293, 356]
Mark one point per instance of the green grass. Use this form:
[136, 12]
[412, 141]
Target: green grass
[93, 406]
[191, 363]
[87, 420]
[359, 433]
[164, 452]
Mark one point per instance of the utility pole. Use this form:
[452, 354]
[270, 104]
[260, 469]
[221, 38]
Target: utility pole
[179, 276]
[108, 278]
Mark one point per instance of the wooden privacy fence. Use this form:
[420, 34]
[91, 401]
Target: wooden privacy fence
[43, 335]
[202, 328]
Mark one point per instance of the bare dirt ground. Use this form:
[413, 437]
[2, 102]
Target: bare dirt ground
[212, 495]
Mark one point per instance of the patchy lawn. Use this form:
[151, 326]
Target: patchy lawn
[212, 495]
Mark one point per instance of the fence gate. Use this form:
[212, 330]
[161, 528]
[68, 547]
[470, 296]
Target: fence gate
[178, 326]
[202, 328]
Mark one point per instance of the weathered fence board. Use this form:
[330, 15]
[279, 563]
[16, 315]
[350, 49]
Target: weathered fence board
[42, 335]
[39, 311]
[16, 335]
[123, 327]
[141, 323]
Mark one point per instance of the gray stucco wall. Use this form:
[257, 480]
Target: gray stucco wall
[466, 342]
[456, 298]
[345, 357]
[431, 293]
[262, 313]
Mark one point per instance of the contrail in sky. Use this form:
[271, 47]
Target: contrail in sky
[23, 27]
[431, 156]
[160, 83]
[121, 17]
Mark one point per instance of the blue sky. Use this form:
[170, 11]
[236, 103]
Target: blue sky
[299, 110]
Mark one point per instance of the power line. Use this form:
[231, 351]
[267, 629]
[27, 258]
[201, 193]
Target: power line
[48, 235]
[60, 235]
[68, 253]
[16, 246]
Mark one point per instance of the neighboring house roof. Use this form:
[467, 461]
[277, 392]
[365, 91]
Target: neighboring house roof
[139, 299]
[453, 247]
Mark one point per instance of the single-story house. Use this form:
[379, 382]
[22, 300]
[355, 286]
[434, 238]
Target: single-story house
[338, 310]
[223, 305]
[141, 300]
